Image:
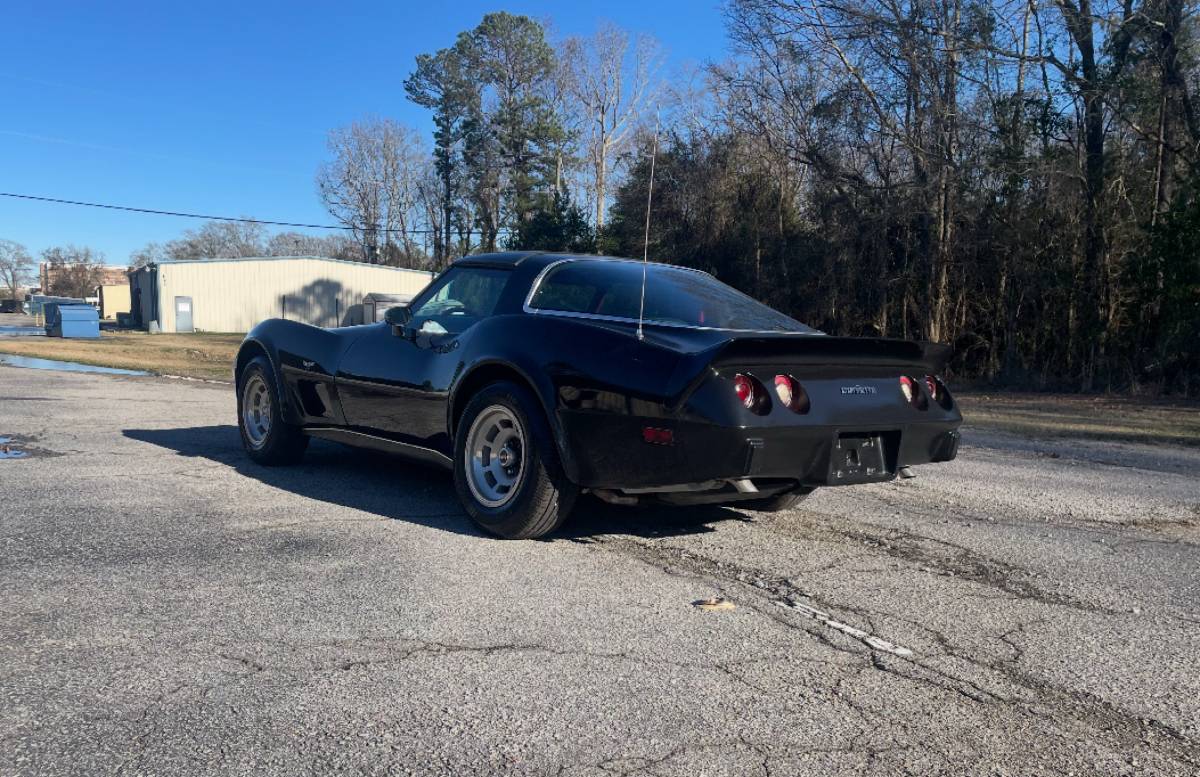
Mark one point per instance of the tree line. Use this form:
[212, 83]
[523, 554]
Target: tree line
[1015, 177]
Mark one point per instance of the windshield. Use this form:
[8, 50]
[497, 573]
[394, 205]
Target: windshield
[465, 296]
[674, 295]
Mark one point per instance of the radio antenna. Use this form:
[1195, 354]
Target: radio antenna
[646, 242]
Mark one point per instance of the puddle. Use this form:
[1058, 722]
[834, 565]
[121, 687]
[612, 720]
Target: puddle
[7, 451]
[22, 331]
[54, 364]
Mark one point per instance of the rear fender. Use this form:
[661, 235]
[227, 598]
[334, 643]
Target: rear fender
[572, 366]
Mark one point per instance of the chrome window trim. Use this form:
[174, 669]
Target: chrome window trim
[537, 282]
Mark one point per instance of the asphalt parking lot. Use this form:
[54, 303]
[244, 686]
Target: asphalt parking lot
[166, 607]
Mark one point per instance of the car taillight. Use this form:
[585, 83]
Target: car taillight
[912, 393]
[783, 388]
[751, 394]
[938, 392]
[744, 386]
[791, 394]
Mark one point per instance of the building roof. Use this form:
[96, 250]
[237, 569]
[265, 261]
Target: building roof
[226, 260]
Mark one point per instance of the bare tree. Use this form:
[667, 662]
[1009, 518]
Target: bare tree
[370, 185]
[893, 69]
[151, 253]
[219, 240]
[72, 271]
[299, 244]
[612, 86]
[16, 267]
[431, 197]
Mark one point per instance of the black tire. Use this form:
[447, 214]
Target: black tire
[777, 503]
[280, 443]
[542, 496]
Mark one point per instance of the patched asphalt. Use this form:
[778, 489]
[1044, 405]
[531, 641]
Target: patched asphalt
[168, 607]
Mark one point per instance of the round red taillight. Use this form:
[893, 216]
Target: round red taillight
[745, 390]
[938, 392]
[791, 394]
[912, 393]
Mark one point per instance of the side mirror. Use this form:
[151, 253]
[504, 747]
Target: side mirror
[398, 317]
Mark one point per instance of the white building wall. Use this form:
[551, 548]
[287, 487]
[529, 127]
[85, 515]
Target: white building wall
[233, 295]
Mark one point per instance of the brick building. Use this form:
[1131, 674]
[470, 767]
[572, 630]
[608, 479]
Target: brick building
[49, 274]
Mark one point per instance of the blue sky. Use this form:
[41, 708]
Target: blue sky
[223, 107]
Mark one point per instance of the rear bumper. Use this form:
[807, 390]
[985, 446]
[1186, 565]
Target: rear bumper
[607, 451]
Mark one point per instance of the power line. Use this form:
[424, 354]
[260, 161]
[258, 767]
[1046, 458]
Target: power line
[154, 212]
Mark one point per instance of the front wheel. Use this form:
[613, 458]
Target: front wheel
[266, 436]
[506, 467]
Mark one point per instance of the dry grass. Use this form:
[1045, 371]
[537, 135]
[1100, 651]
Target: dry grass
[207, 356]
[1119, 419]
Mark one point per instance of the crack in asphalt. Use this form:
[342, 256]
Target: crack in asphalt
[764, 753]
[1107, 528]
[959, 561]
[406, 649]
[1033, 697]
[1033, 694]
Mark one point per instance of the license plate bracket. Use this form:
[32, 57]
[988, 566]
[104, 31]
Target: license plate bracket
[859, 458]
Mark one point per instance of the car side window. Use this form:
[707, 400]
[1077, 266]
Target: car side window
[463, 298]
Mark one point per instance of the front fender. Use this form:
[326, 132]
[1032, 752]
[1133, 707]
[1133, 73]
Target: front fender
[292, 344]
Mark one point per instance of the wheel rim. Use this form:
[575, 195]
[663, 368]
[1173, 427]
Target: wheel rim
[256, 411]
[495, 456]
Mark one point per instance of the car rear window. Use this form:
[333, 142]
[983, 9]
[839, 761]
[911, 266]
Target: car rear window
[674, 296]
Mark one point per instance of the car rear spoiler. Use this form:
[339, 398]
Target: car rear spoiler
[835, 355]
[818, 350]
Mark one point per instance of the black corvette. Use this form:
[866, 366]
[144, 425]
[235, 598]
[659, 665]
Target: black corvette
[528, 375]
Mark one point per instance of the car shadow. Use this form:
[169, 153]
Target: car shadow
[404, 490]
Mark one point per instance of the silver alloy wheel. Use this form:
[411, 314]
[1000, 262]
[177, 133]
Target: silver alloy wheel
[256, 411]
[495, 456]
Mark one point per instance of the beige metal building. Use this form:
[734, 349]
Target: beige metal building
[232, 295]
[114, 299]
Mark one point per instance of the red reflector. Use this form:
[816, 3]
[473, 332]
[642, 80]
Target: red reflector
[658, 436]
[745, 390]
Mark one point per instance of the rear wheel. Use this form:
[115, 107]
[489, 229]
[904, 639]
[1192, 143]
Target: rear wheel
[506, 468]
[777, 503]
[266, 436]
